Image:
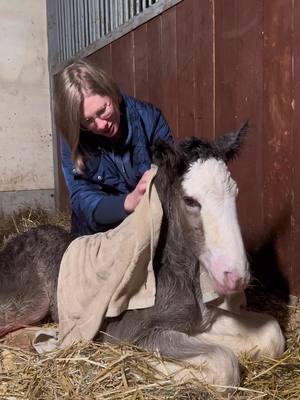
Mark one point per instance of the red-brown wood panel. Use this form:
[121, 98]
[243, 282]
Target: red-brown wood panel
[122, 63]
[153, 44]
[169, 88]
[203, 45]
[294, 278]
[185, 68]
[226, 30]
[249, 106]
[141, 86]
[238, 86]
[277, 136]
[103, 59]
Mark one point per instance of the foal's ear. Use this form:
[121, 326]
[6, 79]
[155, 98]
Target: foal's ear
[228, 145]
[164, 155]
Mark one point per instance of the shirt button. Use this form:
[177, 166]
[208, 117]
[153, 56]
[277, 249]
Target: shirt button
[99, 178]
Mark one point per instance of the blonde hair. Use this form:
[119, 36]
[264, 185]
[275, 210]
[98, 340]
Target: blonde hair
[79, 78]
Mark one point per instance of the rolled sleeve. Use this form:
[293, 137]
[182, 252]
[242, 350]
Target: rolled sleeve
[94, 209]
[110, 210]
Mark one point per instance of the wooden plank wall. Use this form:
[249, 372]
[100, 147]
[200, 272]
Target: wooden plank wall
[211, 64]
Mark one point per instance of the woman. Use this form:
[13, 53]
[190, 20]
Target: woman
[105, 147]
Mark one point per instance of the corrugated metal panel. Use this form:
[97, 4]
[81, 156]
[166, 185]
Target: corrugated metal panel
[82, 22]
[102, 19]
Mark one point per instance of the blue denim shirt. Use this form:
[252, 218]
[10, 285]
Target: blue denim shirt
[97, 196]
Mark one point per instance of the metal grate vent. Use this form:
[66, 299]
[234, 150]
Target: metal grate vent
[82, 22]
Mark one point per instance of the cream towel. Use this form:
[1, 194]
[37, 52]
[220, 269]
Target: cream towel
[106, 273]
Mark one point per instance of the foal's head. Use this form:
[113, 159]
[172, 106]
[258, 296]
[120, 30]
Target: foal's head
[197, 191]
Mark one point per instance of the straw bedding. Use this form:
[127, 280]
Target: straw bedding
[103, 371]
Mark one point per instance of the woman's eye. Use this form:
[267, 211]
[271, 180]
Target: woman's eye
[101, 113]
[87, 122]
[190, 202]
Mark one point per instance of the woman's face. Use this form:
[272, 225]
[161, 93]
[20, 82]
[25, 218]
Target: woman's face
[100, 116]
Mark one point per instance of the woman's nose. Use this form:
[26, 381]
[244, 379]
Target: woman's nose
[100, 123]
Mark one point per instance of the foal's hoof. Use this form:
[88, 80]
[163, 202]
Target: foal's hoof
[222, 369]
[270, 340]
[219, 368]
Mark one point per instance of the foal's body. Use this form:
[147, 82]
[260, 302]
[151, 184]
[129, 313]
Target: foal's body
[199, 228]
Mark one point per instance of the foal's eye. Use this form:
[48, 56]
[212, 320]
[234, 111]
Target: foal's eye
[190, 202]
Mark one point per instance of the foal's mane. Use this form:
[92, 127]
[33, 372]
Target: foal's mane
[176, 158]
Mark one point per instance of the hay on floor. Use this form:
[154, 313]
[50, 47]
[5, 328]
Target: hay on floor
[28, 218]
[103, 371]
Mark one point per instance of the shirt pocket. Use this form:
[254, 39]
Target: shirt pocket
[105, 173]
[92, 168]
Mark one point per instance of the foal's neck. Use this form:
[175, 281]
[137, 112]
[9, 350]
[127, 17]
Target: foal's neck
[174, 255]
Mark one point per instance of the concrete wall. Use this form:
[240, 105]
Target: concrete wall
[26, 156]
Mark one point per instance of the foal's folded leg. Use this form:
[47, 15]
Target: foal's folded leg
[235, 302]
[207, 362]
[246, 331]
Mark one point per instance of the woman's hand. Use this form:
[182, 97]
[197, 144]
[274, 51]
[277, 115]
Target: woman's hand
[134, 197]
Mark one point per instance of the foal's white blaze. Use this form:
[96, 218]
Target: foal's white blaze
[209, 182]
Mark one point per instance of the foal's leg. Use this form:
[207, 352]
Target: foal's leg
[235, 302]
[208, 362]
[20, 312]
[246, 331]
